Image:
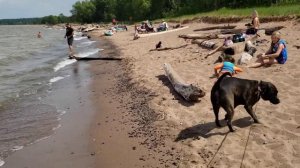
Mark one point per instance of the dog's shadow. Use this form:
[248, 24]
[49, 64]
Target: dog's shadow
[164, 79]
[203, 130]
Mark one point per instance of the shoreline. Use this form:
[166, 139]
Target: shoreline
[126, 136]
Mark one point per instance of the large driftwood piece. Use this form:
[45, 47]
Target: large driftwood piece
[201, 36]
[188, 91]
[206, 44]
[237, 47]
[297, 46]
[269, 31]
[168, 48]
[231, 31]
[215, 27]
[98, 58]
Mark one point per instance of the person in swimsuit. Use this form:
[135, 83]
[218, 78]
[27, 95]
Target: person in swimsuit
[252, 30]
[39, 35]
[227, 66]
[70, 38]
[277, 53]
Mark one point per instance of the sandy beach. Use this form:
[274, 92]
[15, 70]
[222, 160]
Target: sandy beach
[189, 128]
[127, 114]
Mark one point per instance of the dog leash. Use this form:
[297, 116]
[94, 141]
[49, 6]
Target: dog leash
[247, 142]
[218, 149]
[245, 147]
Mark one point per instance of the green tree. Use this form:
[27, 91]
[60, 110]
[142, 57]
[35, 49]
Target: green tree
[83, 11]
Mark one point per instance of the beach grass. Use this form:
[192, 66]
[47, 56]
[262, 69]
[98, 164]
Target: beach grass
[275, 10]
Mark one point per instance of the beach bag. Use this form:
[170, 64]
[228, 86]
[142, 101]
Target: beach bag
[238, 38]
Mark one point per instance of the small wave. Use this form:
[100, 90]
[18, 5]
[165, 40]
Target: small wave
[55, 128]
[79, 38]
[71, 61]
[39, 140]
[1, 162]
[85, 44]
[61, 112]
[86, 54]
[16, 148]
[63, 64]
[55, 79]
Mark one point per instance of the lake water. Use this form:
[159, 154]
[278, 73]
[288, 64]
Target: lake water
[29, 67]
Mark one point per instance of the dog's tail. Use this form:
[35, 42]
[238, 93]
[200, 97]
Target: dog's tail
[217, 84]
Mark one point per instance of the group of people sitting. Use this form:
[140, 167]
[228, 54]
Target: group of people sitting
[276, 54]
[147, 27]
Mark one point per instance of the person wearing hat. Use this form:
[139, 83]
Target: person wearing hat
[70, 38]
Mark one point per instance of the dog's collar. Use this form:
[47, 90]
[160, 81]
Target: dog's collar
[259, 88]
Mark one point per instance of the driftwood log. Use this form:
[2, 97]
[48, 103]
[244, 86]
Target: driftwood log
[269, 31]
[168, 48]
[297, 46]
[201, 36]
[237, 48]
[188, 91]
[98, 58]
[206, 44]
[215, 27]
[232, 31]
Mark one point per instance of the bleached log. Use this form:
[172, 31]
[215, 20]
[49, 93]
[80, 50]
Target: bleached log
[201, 36]
[188, 91]
[206, 44]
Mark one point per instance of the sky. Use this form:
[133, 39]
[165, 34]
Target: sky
[12, 9]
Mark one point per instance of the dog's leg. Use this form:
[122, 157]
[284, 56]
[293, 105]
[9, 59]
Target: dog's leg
[216, 108]
[251, 113]
[230, 112]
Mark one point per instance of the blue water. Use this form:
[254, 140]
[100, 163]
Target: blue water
[29, 66]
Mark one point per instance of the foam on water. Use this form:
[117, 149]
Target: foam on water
[1, 162]
[55, 79]
[79, 38]
[63, 64]
[66, 62]
[85, 44]
[16, 148]
[55, 128]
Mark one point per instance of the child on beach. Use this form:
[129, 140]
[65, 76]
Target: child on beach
[254, 26]
[227, 66]
[277, 53]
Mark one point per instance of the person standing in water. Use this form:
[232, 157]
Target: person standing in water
[70, 38]
[39, 35]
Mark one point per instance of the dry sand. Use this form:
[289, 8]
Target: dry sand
[188, 129]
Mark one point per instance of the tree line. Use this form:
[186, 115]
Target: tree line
[88, 11]
[94, 11]
[50, 20]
